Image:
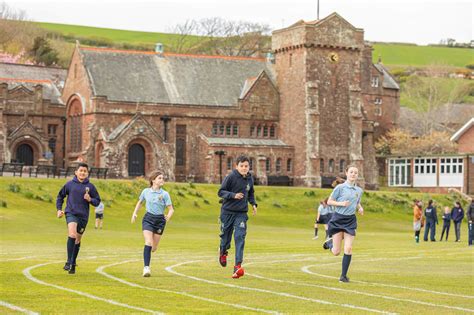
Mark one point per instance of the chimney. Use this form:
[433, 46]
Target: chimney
[159, 48]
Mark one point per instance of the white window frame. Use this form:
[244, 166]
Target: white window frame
[375, 82]
[401, 167]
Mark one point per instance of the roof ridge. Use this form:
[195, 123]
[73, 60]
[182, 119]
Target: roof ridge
[26, 80]
[171, 54]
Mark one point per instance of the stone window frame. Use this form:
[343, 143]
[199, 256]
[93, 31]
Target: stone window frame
[230, 161]
[228, 129]
[222, 129]
[374, 82]
[272, 133]
[235, 129]
[52, 129]
[268, 165]
[253, 130]
[331, 166]
[321, 165]
[289, 165]
[278, 165]
[215, 128]
[342, 165]
[251, 163]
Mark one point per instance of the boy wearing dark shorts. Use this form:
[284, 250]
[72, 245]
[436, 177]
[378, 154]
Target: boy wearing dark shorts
[80, 194]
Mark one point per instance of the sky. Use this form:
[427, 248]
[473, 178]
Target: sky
[414, 21]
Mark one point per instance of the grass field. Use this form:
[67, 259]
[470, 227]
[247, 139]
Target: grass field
[287, 271]
[392, 54]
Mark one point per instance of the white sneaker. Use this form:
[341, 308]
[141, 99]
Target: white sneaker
[315, 238]
[146, 271]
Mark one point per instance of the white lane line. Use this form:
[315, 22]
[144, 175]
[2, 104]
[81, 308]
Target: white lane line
[102, 272]
[368, 260]
[362, 293]
[306, 270]
[17, 308]
[14, 259]
[27, 273]
[288, 295]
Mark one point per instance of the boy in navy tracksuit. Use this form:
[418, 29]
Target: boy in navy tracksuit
[431, 221]
[236, 191]
[80, 193]
[457, 214]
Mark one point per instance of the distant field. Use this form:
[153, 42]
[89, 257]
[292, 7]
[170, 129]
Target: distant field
[392, 54]
[287, 271]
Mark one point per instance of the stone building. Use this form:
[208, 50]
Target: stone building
[313, 106]
[32, 114]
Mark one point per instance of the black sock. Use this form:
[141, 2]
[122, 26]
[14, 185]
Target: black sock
[315, 231]
[146, 255]
[346, 261]
[70, 248]
[77, 247]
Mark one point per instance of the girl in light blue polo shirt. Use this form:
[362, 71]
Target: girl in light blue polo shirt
[346, 200]
[154, 221]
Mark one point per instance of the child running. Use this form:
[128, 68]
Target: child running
[154, 220]
[236, 191]
[80, 193]
[343, 224]
[324, 215]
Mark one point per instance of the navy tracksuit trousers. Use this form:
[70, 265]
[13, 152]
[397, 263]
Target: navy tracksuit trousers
[430, 225]
[236, 223]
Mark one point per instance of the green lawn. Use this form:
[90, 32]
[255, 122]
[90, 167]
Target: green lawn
[287, 271]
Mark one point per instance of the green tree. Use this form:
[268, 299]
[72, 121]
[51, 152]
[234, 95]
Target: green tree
[42, 52]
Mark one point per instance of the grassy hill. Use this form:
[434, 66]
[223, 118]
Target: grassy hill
[287, 271]
[391, 54]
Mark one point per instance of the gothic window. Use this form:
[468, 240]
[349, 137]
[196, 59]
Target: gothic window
[215, 128]
[278, 165]
[265, 131]
[228, 129]
[272, 131]
[331, 166]
[52, 129]
[321, 165]
[259, 131]
[267, 165]
[75, 133]
[251, 161]
[235, 129]
[229, 163]
[221, 128]
[342, 166]
[289, 165]
[252, 130]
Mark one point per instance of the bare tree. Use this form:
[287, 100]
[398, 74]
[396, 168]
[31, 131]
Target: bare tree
[217, 36]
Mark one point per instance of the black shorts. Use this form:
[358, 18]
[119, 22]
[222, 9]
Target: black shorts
[324, 219]
[99, 216]
[342, 223]
[81, 222]
[154, 223]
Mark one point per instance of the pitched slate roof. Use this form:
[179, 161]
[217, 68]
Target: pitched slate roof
[130, 76]
[388, 81]
[28, 76]
[463, 130]
[244, 142]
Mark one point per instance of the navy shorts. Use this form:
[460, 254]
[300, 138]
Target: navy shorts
[154, 223]
[99, 216]
[324, 219]
[342, 223]
[81, 222]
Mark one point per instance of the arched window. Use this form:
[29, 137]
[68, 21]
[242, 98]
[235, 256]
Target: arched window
[267, 165]
[278, 165]
[265, 131]
[259, 131]
[229, 163]
[321, 165]
[251, 161]
[252, 130]
[288, 165]
[331, 166]
[342, 166]
[272, 131]
[215, 128]
[228, 129]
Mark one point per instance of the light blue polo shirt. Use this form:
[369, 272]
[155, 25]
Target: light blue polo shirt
[347, 192]
[156, 201]
[324, 210]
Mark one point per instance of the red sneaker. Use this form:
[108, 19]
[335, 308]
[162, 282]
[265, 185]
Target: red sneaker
[238, 272]
[223, 259]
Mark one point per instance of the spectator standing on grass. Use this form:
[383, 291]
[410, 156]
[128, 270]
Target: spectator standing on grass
[417, 219]
[457, 214]
[446, 222]
[431, 221]
[470, 218]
